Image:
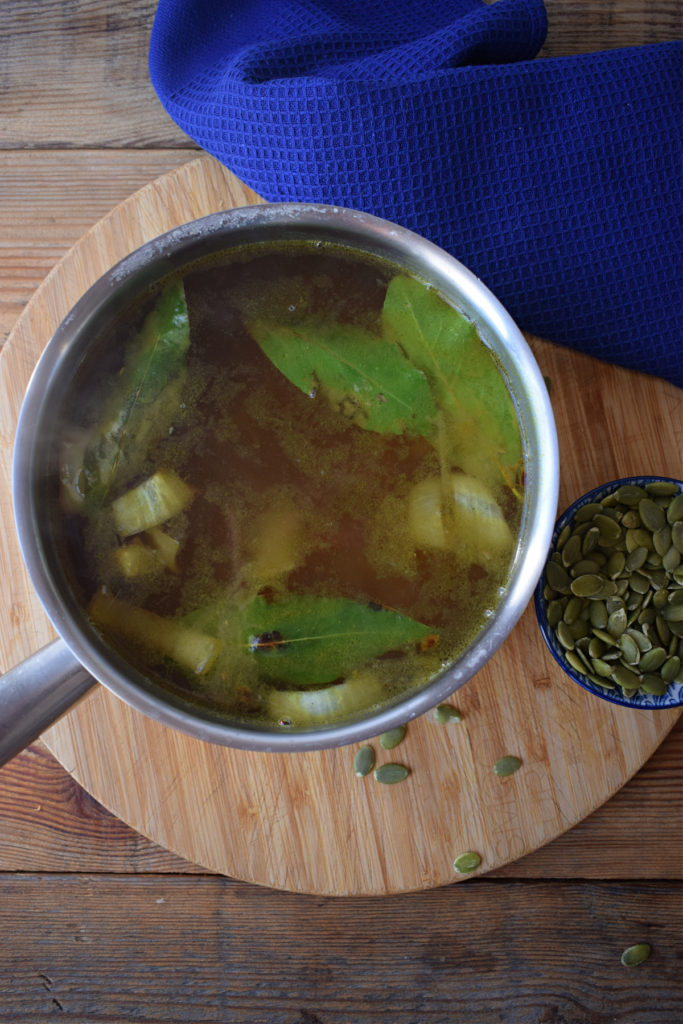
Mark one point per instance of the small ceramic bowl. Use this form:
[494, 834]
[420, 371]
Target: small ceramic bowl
[673, 696]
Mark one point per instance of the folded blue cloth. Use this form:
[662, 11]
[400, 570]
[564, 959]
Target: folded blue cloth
[557, 181]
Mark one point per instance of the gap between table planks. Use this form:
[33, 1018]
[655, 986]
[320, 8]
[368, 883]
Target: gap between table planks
[303, 822]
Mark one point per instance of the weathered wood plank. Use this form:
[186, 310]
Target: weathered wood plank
[49, 823]
[150, 949]
[93, 88]
[49, 199]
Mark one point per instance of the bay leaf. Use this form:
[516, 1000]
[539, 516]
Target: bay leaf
[366, 378]
[307, 640]
[468, 386]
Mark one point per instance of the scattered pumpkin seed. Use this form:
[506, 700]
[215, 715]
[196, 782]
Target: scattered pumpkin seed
[466, 862]
[507, 765]
[388, 774]
[445, 713]
[364, 761]
[635, 955]
[392, 737]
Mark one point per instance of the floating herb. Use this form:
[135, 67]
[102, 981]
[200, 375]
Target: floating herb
[466, 382]
[141, 408]
[307, 640]
[366, 378]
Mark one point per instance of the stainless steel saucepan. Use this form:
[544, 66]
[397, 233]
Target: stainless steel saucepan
[43, 687]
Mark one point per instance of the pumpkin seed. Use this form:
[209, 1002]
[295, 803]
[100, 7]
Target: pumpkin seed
[630, 494]
[652, 660]
[587, 585]
[616, 623]
[629, 649]
[572, 551]
[661, 488]
[654, 685]
[466, 862]
[670, 669]
[674, 513]
[445, 713]
[673, 613]
[572, 610]
[392, 737]
[627, 679]
[677, 535]
[557, 577]
[390, 773]
[652, 516]
[507, 765]
[635, 955]
[364, 761]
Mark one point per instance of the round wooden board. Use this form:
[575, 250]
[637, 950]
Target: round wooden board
[304, 822]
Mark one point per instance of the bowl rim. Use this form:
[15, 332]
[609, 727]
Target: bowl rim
[655, 703]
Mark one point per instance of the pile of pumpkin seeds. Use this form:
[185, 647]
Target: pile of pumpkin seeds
[614, 589]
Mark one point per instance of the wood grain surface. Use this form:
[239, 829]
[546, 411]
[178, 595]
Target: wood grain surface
[98, 924]
[303, 822]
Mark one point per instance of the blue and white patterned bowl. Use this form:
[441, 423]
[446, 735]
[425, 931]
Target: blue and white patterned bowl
[674, 694]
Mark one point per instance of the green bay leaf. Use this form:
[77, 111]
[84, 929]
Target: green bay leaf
[307, 640]
[366, 378]
[480, 417]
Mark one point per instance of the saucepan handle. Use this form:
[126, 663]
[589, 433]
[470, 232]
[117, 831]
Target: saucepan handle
[36, 693]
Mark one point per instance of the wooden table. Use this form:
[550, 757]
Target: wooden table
[98, 924]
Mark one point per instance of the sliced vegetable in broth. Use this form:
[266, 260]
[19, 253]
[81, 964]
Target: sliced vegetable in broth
[296, 493]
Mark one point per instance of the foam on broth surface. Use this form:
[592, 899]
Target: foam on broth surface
[339, 468]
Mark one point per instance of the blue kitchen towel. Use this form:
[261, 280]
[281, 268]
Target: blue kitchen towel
[557, 180]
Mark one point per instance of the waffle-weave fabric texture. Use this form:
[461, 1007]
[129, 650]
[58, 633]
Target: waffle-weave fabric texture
[556, 180]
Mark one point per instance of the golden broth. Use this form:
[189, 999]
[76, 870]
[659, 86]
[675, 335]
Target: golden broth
[299, 500]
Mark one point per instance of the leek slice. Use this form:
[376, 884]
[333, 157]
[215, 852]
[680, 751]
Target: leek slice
[458, 514]
[153, 502]
[192, 651]
[311, 707]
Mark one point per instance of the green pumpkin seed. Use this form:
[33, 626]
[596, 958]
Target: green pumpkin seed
[587, 512]
[571, 552]
[466, 862]
[564, 535]
[602, 668]
[635, 955]
[662, 539]
[445, 713]
[597, 613]
[557, 577]
[572, 610]
[610, 531]
[674, 513]
[587, 585]
[652, 516]
[615, 564]
[661, 488]
[591, 539]
[626, 679]
[389, 774]
[654, 685]
[617, 622]
[363, 761]
[670, 669]
[630, 494]
[507, 765]
[629, 649]
[672, 559]
[564, 635]
[392, 737]
[652, 660]
[677, 535]
[576, 661]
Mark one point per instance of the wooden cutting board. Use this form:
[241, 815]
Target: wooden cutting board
[304, 822]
